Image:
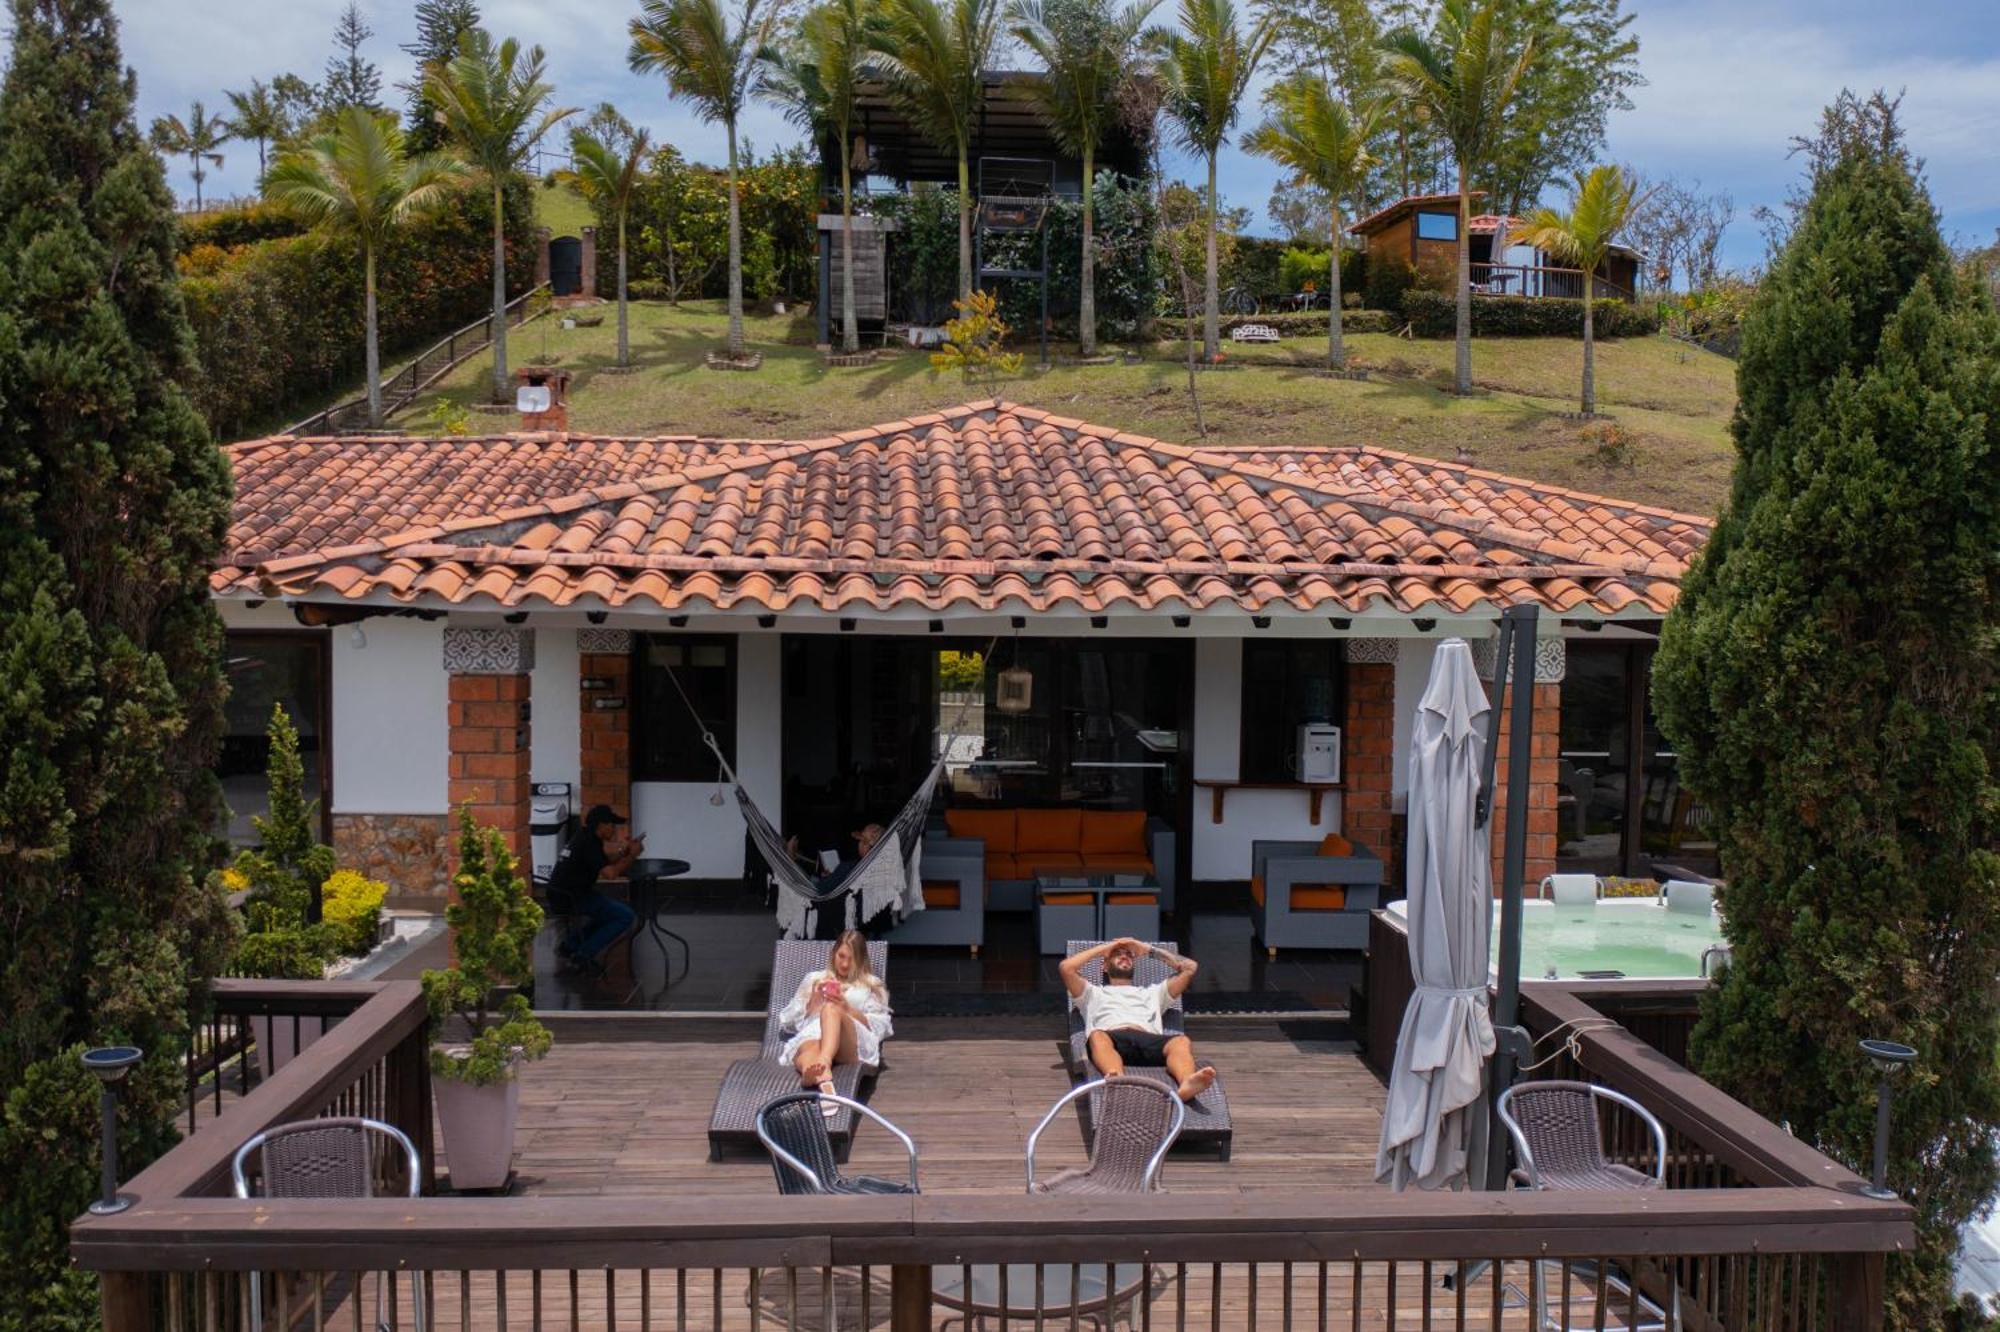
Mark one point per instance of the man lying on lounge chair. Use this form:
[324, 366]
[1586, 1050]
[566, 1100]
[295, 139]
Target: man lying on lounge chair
[1125, 1022]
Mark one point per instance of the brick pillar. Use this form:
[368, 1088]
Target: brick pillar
[605, 655]
[1368, 740]
[589, 287]
[490, 728]
[542, 237]
[1543, 786]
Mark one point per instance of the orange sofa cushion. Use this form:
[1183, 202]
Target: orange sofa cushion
[1333, 844]
[1067, 899]
[1047, 830]
[1027, 862]
[995, 826]
[943, 895]
[1121, 832]
[1130, 899]
[1116, 862]
[1000, 867]
[1307, 897]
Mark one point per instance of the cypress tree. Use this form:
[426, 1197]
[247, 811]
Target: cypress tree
[1829, 679]
[113, 505]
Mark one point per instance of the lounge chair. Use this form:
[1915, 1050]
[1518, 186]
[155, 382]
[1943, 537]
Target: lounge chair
[1208, 1125]
[751, 1084]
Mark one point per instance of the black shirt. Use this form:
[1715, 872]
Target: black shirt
[575, 876]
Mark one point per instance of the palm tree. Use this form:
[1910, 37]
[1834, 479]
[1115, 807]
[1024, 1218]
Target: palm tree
[261, 117]
[1602, 204]
[1313, 135]
[1205, 72]
[495, 105]
[609, 178]
[358, 181]
[195, 138]
[1461, 75]
[1091, 55]
[936, 53]
[815, 78]
[710, 63]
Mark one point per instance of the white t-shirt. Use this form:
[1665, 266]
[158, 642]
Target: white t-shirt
[1111, 1007]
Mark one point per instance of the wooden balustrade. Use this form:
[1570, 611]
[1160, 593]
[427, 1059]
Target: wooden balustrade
[1758, 1232]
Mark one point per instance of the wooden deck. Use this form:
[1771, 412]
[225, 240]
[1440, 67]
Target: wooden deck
[630, 1117]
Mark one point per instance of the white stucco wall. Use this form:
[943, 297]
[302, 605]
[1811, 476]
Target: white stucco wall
[677, 816]
[1222, 851]
[389, 733]
[556, 735]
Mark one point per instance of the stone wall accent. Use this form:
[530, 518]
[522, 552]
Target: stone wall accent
[607, 734]
[489, 729]
[1542, 786]
[409, 852]
[1367, 745]
[489, 651]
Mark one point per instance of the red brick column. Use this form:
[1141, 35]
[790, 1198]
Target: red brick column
[1542, 786]
[606, 656]
[489, 727]
[589, 287]
[542, 237]
[1367, 742]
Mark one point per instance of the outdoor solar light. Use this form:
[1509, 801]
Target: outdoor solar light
[109, 1064]
[1889, 1057]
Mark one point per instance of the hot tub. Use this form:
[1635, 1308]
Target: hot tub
[1630, 936]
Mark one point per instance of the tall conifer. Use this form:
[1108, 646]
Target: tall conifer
[113, 505]
[1831, 678]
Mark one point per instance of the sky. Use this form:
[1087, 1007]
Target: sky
[1728, 83]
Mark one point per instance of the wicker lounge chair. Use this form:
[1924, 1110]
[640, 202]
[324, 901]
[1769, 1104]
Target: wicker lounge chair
[1137, 1121]
[793, 1130]
[751, 1084]
[331, 1158]
[1208, 1125]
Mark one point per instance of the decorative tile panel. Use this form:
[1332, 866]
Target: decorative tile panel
[604, 640]
[1551, 659]
[1377, 650]
[489, 651]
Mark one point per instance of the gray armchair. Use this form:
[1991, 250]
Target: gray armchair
[1302, 899]
[953, 863]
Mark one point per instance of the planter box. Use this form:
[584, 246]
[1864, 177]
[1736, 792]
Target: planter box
[478, 1127]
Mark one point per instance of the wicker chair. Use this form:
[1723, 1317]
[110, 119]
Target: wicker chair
[329, 1158]
[1560, 1144]
[1134, 1121]
[793, 1129]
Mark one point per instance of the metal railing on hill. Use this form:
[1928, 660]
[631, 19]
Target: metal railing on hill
[402, 387]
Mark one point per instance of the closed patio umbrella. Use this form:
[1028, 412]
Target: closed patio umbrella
[1435, 1119]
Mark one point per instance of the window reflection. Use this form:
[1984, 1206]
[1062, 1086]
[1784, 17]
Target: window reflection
[265, 670]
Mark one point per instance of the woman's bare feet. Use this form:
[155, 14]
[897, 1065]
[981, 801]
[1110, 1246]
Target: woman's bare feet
[810, 1075]
[1195, 1083]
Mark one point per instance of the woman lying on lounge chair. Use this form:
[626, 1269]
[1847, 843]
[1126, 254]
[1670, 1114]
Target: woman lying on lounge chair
[840, 1015]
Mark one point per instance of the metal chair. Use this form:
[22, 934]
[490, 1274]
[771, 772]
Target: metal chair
[794, 1131]
[328, 1158]
[1133, 1123]
[1573, 889]
[1560, 1143]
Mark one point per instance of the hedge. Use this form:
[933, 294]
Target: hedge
[1301, 324]
[231, 227]
[278, 325]
[1432, 314]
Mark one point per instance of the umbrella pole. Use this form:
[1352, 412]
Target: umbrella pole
[1517, 651]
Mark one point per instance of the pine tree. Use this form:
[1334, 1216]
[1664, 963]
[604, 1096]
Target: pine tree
[440, 26]
[1830, 678]
[350, 79]
[113, 506]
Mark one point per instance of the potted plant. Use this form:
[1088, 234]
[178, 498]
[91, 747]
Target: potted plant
[482, 1028]
[284, 937]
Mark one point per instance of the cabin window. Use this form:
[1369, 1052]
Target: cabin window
[267, 669]
[1286, 683]
[1437, 226]
[667, 744]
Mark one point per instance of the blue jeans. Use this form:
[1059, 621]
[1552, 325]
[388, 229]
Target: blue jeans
[601, 920]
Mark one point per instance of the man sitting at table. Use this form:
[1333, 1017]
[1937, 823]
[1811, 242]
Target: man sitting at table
[600, 920]
[1125, 1023]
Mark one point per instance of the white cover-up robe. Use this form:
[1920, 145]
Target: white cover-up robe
[872, 1026]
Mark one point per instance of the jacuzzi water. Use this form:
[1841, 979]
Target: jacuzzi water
[1633, 936]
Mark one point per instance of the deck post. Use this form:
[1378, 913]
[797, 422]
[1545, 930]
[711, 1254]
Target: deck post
[1859, 1291]
[125, 1301]
[909, 1298]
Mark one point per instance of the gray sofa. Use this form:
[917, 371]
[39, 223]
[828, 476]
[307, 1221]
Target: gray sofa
[958, 862]
[1282, 910]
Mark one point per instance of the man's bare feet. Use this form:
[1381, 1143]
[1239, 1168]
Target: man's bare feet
[1195, 1083]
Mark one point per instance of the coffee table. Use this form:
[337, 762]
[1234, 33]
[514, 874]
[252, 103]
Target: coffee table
[1058, 923]
[1061, 1289]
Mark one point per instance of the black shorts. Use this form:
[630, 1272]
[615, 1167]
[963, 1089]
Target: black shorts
[1142, 1048]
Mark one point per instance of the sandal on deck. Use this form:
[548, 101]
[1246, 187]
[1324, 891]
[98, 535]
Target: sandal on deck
[828, 1108]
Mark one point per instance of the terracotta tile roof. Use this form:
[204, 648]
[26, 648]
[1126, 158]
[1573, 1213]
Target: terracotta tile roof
[984, 507]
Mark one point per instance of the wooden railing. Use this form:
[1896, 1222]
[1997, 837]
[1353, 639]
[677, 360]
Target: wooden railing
[1538, 280]
[402, 387]
[1759, 1231]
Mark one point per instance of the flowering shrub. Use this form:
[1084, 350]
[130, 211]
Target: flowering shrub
[351, 905]
[279, 323]
[974, 341]
[493, 926]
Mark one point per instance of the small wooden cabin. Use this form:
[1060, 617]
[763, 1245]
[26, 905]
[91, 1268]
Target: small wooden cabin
[1422, 230]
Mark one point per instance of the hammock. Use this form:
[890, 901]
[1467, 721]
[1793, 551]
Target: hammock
[888, 878]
